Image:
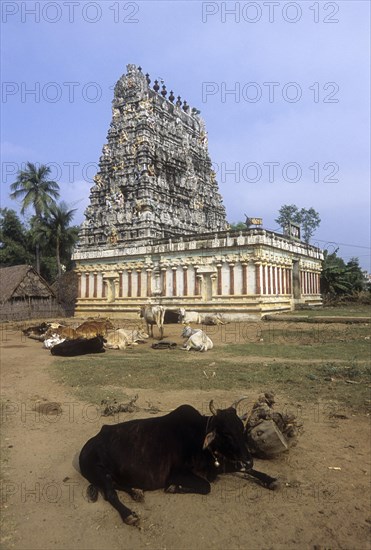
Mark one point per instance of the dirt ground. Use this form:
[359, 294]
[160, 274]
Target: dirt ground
[322, 503]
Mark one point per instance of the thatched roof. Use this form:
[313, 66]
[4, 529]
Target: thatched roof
[20, 281]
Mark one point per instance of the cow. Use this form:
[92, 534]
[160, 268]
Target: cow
[89, 329]
[79, 346]
[181, 452]
[38, 332]
[62, 331]
[212, 319]
[54, 336]
[187, 317]
[153, 315]
[52, 341]
[197, 339]
[121, 338]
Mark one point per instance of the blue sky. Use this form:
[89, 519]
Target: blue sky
[283, 88]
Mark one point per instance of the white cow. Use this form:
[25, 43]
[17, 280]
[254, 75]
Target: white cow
[189, 316]
[52, 341]
[197, 339]
[153, 315]
[121, 338]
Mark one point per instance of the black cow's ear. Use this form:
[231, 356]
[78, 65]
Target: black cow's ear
[209, 438]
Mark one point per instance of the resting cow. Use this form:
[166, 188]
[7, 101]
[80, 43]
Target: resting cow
[39, 332]
[153, 315]
[121, 338]
[89, 329]
[197, 339]
[180, 452]
[52, 341]
[54, 336]
[187, 317]
[212, 319]
[80, 346]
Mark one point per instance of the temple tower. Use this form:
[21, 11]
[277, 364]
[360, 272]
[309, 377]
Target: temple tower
[155, 178]
[155, 228]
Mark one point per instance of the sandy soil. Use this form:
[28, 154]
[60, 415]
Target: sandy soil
[323, 501]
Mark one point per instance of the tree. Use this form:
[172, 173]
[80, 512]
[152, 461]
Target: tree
[355, 275]
[15, 243]
[35, 190]
[339, 278]
[334, 281]
[55, 228]
[309, 219]
[288, 213]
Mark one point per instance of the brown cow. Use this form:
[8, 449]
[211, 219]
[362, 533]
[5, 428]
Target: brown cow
[89, 329]
[62, 331]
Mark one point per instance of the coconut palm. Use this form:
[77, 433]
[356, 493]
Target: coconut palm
[36, 190]
[55, 228]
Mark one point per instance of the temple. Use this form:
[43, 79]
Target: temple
[156, 225]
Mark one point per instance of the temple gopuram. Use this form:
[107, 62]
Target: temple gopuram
[156, 225]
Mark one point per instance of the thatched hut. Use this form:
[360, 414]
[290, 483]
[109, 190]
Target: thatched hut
[24, 294]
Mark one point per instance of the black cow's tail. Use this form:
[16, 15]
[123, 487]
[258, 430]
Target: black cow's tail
[92, 493]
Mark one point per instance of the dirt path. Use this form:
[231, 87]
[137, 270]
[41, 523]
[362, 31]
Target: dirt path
[44, 506]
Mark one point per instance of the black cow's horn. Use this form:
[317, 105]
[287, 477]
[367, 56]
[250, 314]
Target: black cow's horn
[212, 408]
[236, 403]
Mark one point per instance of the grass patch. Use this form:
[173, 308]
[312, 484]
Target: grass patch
[114, 374]
[345, 351]
[351, 310]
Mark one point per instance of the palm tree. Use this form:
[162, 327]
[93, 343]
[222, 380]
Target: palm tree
[35, 189]
[55, 227]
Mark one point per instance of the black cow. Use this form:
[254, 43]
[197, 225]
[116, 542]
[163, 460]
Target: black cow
[36, 332]
[79, 346]
[180, 452]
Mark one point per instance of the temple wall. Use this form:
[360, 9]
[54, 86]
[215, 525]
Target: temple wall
[245, 274]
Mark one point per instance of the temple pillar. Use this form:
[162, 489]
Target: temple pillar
[267, 280]
[185, 280]
[231, 279]
[174, 288]
[197, 284]
[87, 276]
[274, 280]
[219, 289]
[130, 283]
[116, 287]
[95, 284]
[149, 282]
[120, 293]
[214, 281]
[79, 285]
[258, 277]
[139, 283]
[163, 281]
[244, 277]
[289, 281]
